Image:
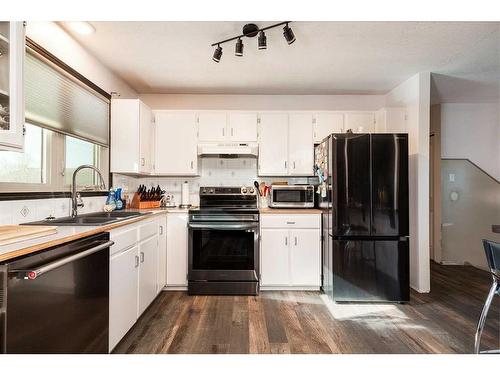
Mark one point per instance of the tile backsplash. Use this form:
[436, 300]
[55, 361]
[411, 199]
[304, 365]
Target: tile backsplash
[213, 172]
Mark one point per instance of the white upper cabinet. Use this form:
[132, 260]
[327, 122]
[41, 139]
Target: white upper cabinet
[212, 126]
[326, 123]
[176, 143]
[360, 122]
[273, 144]
[391, 120]
[12, 52]
[242, 127]
[131, 137]
[301, 145]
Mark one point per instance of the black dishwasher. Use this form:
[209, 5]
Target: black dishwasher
[57, 300]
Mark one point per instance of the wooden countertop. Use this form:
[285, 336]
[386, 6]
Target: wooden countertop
[290, 211]
[70, 233]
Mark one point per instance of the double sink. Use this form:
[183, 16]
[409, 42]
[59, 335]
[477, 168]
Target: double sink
[92, 219]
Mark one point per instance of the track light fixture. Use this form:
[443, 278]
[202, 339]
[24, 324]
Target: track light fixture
[262, 40]
[238, 51]
[288, 34]
[250, 30]
[217, 54]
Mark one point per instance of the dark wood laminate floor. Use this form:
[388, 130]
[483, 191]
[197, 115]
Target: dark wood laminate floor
[442, 321]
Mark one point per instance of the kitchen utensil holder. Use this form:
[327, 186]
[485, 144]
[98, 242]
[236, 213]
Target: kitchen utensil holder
[140, 204]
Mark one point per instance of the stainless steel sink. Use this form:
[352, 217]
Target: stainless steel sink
[92, 219]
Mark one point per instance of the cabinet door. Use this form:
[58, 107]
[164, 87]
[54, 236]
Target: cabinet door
[212, 127]
[162, 254]
[360, 122]
[273, 144]
[300, 145]
[123, 279]
[275, 266]
[12, 52]
[176, 144]
[177, 249]
[243, 127]
[146, 138]
[148, 257]
[305, 255]
[326, 124]
[125, 136]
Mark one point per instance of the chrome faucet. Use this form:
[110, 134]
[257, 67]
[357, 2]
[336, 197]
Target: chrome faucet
[76, 198]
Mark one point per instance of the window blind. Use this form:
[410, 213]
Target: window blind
[60, 102]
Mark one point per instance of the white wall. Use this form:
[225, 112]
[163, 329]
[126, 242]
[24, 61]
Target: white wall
[264, 102]
[57, 41]
[472, 131]
[414, 95]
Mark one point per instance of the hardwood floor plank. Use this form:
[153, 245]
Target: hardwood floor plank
[258, 340]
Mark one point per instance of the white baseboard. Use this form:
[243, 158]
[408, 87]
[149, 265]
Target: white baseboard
[292, 288]
[178, 288]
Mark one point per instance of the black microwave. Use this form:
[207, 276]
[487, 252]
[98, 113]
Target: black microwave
[292, 196]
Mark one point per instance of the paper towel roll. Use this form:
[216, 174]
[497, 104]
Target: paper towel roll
[185, 194]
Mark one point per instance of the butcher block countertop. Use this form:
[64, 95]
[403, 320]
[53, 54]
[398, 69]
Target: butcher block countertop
[290, 211]
[70, 233]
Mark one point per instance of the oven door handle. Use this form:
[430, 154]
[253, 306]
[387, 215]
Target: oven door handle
[32, 274]
[223, 226]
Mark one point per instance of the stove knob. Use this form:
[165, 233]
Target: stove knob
[211, 191]
[204, 191]
[252, 190]
[243, 190]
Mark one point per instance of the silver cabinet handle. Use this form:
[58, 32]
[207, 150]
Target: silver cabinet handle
[143, 161]
[33, 274]
[136, 261]
[286, 241]
[231, 132]
[295, 241]
[142, 257]
[290, 222]
[161, 229]
[285, 164]
[192, 164]
[223, 132]
[293, 165]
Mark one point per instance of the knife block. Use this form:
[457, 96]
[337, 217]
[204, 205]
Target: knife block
[138, 203]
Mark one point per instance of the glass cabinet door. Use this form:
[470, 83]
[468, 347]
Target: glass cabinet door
[12, 51]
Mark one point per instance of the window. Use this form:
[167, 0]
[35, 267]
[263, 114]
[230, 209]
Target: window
[80, 152]
[26, 167]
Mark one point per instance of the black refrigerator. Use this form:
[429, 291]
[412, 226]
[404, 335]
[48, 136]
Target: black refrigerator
[363, 195]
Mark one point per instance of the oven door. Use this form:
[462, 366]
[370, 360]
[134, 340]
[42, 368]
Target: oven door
[221, 251]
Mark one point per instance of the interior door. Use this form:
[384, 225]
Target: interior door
[146, 137]
[370, 270]
[300, 144]
[123, 293]
[148, 257]
[353, 191]
[243, 127]
[212, 127]
[327, 123]
[176, 143]
[389, 185]
[275, 260]
[273, 144]
[305, 257]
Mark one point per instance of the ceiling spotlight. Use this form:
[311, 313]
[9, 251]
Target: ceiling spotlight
[262, 40]
[81, 27]
[239, 48]
[217, 54]
[288, 34]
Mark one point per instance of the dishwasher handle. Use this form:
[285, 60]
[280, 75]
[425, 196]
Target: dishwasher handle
[32, 274]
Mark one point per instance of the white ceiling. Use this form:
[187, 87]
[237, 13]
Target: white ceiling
[327, 57]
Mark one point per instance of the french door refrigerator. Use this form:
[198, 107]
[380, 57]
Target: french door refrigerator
[363, 195]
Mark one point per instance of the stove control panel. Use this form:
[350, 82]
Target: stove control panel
[222, 190]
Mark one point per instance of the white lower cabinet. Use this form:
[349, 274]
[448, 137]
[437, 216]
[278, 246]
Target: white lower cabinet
[133, 274]
[148, 258]
[123, 292]
[177, 250]
[162, 254]
[290, 251]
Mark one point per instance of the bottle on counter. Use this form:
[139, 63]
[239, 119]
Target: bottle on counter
[118, 199]
[110, 201]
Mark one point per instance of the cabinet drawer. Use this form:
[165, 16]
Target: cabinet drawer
[290, 221]
[123, 238]
[147, 230]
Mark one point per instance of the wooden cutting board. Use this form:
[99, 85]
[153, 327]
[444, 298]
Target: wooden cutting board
[15, 233]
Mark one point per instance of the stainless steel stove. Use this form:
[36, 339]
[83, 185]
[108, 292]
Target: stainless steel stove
[224, 242]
